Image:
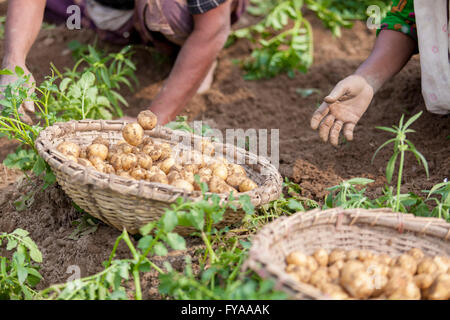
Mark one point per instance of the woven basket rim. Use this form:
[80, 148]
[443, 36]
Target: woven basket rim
[140, 188]
[261, 261]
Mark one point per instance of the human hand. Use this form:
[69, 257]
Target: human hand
[28, 105]
[342, 108]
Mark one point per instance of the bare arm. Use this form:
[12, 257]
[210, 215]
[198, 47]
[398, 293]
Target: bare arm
[391, 52]
[23, 22]
[197, 55]
[350, 98]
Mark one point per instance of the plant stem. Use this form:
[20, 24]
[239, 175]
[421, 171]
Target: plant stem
[399, 179]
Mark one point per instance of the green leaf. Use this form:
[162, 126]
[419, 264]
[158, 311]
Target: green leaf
[176, 241]
[169, 220]
[294, 205]
[19, 71]
[411, 120]
[145, 242]
[64, 83]
[145, 230]
[160, 249]
[39, 166]
[87, 80]
[391, 166]
[359, 181]
[381, 147]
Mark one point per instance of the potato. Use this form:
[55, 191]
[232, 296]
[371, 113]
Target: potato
[147, 149]
[356, 280]
[423, 281]
[398, 280]
[97, 150]
[217, 185]
[96, 161]
[159, 178]
[108, 168]
[376, 268]
[352, 255]
[336, 255]
[84, 162]
[297, 258]
[406, 262]
[300, 273]
[334, 273]
[147, 119]
[183, 184]
[334, 291]
[116, 161]
[247, 185]
[155, 154]
[385, 259]
[319, 276]
[416, 253]
[409, 291]
[321, 256]
[427, 265]
[133, 133]
[203, 179]
[138, 173]
[147, 141]
[205, 172]
[129, 161]
[123, 173]
[72, 158]
[311, 263]
[440, 289]
[188, 176]
[173, 176]
[176, 167]
[69, 149]
[100, 140]
[365, 255]
[235, 180]
[166, 152]
[144, 160]
[206, 147]
[236, 169]
[442, 264]
[83, 153]
[125, 148]
[192, 168]
[219, 170]
[166, 165]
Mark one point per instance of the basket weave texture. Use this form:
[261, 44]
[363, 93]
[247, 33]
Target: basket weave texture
[126, 203]
[377, 230]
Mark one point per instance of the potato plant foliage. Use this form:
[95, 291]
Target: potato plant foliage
[284, 37]
[88, 90]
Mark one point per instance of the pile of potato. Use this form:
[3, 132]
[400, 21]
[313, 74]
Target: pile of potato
[141, 158]
[361, 274]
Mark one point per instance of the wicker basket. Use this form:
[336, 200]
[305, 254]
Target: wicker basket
[379, 231]
[126, 203]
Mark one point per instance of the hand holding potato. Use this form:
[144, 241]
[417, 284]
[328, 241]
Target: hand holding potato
[342, 108]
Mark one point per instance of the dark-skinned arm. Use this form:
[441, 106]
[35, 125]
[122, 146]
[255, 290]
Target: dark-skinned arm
[211, 30]
[350, 98]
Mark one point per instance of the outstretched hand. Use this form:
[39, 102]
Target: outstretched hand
[342, 109]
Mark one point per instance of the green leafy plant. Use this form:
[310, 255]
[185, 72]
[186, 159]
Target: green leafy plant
[284, 37]
[19, 275]
[347, 196]
[401, 146]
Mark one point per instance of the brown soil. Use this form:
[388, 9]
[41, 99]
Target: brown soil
[235, 103]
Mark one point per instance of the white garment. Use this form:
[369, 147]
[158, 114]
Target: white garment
[432, 20]
[106, 18]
